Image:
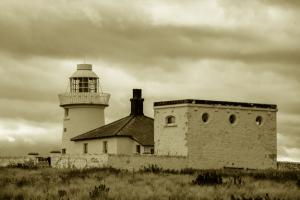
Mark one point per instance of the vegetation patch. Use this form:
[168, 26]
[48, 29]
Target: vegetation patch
[149, 183]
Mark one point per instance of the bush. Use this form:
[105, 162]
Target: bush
[208, 178]
[33, 154]
[152, 169]
[99, 192]
[189, 171]
[298, 183]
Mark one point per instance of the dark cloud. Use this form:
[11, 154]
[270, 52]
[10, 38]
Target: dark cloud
[109, 32]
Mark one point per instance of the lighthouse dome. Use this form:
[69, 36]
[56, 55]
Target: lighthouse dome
[84, 70]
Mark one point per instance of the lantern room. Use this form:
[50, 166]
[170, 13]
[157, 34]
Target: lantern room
[84, 80]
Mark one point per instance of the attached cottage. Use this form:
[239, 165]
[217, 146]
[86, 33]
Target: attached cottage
[130, 135]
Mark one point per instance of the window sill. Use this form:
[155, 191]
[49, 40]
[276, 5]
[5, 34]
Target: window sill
[171, 125]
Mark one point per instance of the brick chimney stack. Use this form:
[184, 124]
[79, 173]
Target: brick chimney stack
[137, 102]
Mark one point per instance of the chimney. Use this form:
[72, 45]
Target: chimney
[137, 102]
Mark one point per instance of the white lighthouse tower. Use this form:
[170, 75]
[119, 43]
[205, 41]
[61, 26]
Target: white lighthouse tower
[83, 105]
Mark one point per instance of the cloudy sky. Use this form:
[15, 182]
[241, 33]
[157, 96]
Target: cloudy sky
[215, 49]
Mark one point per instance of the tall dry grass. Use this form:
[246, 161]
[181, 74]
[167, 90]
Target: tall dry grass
[48, 183]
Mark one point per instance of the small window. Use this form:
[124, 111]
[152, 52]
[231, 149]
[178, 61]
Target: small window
[63, 151]
[232, 119]
[65, 129]
[104, 146]
[170, 120]
[152, 151]
[205, 117]
[66, 112]
[138, 148]
[259, 120]
[85, 148]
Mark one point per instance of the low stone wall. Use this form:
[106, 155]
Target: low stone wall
[136, 162]
[133, 162]
[128, 162]
[288, 166]
[15, 161]
[80, 161]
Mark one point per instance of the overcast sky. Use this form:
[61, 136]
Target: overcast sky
[216, 49]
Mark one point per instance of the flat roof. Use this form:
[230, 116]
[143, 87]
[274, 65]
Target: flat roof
[216, 103]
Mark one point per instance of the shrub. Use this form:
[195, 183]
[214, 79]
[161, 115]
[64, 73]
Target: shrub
[61, 194]
[152, 169]
[23, 181]
[33, 154]
[208, 178]
[189, 171]
[298, 183]
[99, 192]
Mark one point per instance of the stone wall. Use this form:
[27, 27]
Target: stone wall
[15, 161]
[137, 162]
[127, 162]
[288, 166]
[170, 139]
[218, 143]
[80, 161]
[215, 143]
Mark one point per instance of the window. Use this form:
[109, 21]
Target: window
[205, 117]
[66, 112]
[232, 119]
[259, 120]
[65, 129]
[63, 151]
[84, 84]
[104, 146]
[85, 148]
[138, 148]
[170, 120]
[152, 151]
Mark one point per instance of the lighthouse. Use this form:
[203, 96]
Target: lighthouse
[83, 106]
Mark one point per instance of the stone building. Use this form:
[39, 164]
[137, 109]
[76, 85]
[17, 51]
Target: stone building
[217, 134]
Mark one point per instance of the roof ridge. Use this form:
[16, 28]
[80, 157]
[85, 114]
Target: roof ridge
[118, 131]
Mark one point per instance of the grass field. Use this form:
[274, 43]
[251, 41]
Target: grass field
[151, 183]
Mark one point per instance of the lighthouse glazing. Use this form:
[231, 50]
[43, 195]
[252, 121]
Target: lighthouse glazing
[83, 106]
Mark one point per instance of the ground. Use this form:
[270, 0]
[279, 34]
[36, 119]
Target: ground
[150, 183]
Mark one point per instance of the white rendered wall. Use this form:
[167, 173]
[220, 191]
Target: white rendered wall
[170, 139]
[217, 143]
[80, 120]
[115, 145]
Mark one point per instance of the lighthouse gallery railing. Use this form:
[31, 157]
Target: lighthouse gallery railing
[84, 98]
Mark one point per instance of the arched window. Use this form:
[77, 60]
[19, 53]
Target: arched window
[259, 120]
[205, 117]
[232, 119]
[170, 120]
